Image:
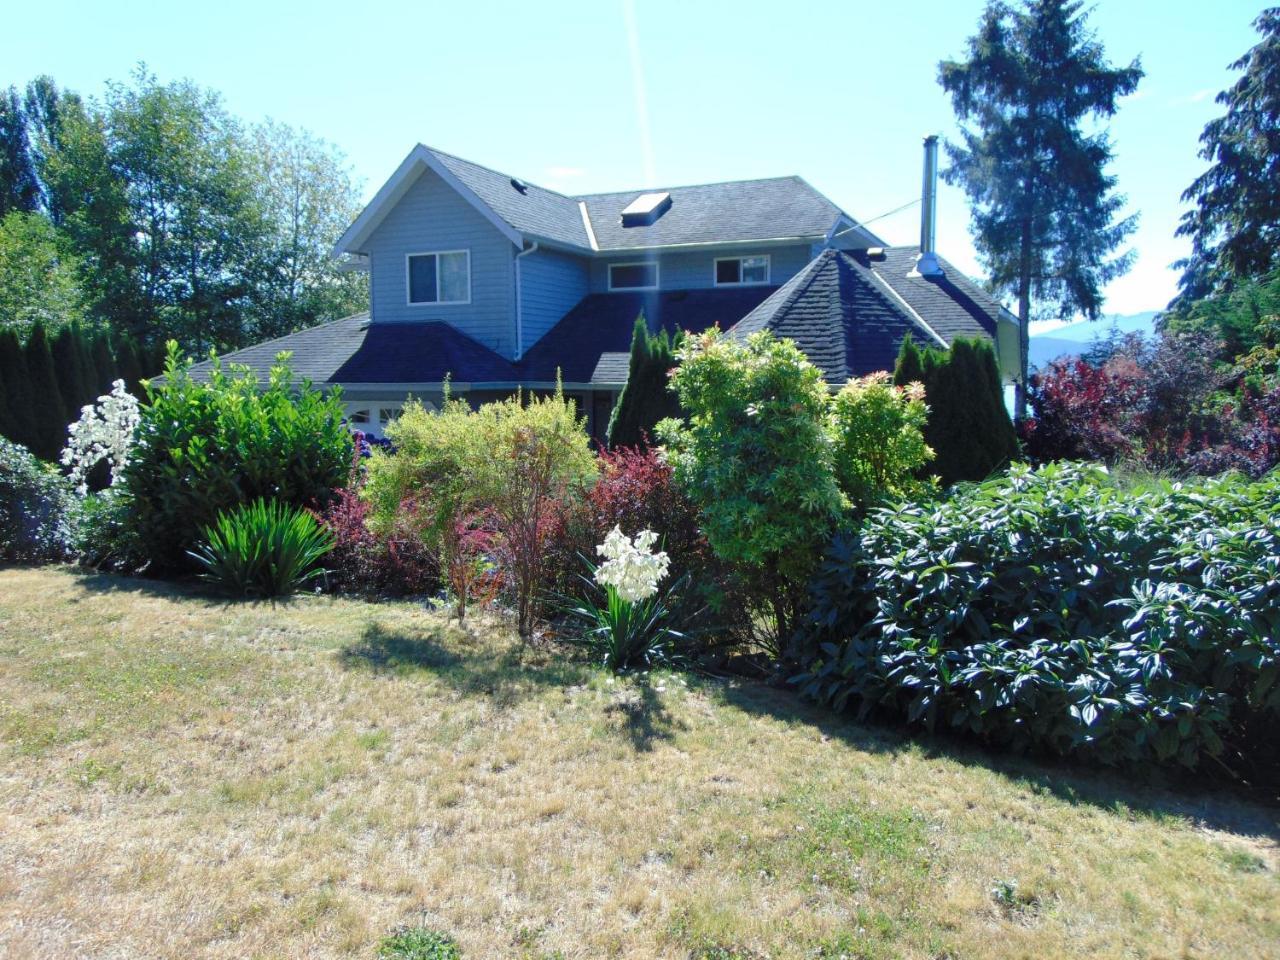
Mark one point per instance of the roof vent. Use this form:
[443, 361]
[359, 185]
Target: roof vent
[520, 185]
[646, 209]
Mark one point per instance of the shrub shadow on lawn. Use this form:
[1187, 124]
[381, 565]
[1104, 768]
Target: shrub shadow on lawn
[1155, 793]
[644, 718]
[505, 672]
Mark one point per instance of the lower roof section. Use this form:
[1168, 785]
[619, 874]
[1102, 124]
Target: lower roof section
[590, 345]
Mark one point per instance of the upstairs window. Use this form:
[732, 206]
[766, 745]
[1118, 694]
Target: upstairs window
[633, 276]
[742, 271]
[440, 277]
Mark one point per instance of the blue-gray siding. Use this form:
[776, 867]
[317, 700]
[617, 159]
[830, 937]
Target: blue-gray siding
[551, 284]
[687, 269]
[431, 216]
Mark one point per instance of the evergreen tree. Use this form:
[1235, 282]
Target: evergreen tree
[968, 428]
[910, 365]
[19, 189]
[47, 431]
[647, 397]
[129, 365]
[104, 363]
[1235, 224]
[1045, 211]
[72, 368]
[14, 420]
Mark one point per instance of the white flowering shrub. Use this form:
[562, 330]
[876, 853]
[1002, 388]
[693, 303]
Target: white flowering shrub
[631, 567]
[105, 431]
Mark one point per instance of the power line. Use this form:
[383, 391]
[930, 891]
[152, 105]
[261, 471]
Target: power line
[909, 203]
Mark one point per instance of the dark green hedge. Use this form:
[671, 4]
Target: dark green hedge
[1054, 610]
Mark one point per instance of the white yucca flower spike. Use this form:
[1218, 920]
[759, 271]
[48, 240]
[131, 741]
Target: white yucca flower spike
[630, 567]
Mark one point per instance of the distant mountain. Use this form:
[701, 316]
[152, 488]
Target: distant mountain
[1085, 331]
[1048, 347]
[1075, 338]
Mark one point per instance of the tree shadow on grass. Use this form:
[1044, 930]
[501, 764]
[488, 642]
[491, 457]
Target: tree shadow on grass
[506, 672]
[1152, 792]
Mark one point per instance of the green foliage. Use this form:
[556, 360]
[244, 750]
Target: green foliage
[1052, 610]
[1033, 161]
[624, 634]
[878, 434]
[47, 417]
[37, 510]
[39, 274]
[238, 224]
[204, 448]
[513, 462]
[73, 364]
[647, 397]
[1234, 223]
[1244, 321]
[19, 188]
[756, 459]
[419, 943]
[265, 548]
[104, 537]
[968, 427]
[15, 415]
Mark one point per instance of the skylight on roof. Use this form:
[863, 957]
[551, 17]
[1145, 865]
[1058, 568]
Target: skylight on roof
[645, 209]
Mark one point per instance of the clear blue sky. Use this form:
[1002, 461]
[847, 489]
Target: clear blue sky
[557, 92]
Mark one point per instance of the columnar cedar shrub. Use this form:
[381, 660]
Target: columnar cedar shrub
[1051, 610]
[204, 448]
[968, 427]
[755, 457]
[647, 398]
[516, 463]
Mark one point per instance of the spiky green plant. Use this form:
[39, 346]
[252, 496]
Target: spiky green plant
[263, 548]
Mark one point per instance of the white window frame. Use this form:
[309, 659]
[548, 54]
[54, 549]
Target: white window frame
[408, 289]
[657, 275]
[768, 271]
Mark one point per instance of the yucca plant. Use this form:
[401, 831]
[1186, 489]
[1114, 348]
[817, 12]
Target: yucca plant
[263, 548]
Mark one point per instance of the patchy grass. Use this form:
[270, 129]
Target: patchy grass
[182, 777]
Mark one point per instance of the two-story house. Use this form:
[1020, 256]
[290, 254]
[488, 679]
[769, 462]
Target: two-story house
[495, 283]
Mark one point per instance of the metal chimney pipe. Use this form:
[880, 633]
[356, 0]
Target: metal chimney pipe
[927, 262]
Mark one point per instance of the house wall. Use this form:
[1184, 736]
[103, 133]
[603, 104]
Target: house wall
[432, 216]
[551, 284]
[688, 270]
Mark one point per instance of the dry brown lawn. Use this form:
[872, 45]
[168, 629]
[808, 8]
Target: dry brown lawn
[184, 777]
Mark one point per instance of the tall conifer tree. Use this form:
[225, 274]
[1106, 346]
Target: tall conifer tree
[43, 401]
[1046, 218]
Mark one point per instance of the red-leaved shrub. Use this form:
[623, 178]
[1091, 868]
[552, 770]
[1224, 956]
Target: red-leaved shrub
[366, 564]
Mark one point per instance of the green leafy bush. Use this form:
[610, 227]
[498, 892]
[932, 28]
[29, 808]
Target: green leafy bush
[1053, 610]
[204, 448]
[37, 509]
[756, 459]
[264, 548]
[647, 396]
[514, 463]
[419, 943]
[104, 536]
[877, 431]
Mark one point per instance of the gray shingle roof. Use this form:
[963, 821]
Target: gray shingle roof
[952, 304]
[716, 213]
[839, 316]
[538, 211]
[354, 350]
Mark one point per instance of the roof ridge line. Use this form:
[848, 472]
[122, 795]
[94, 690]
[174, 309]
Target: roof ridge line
[911, 312]
[501, 173]
[709, 183]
